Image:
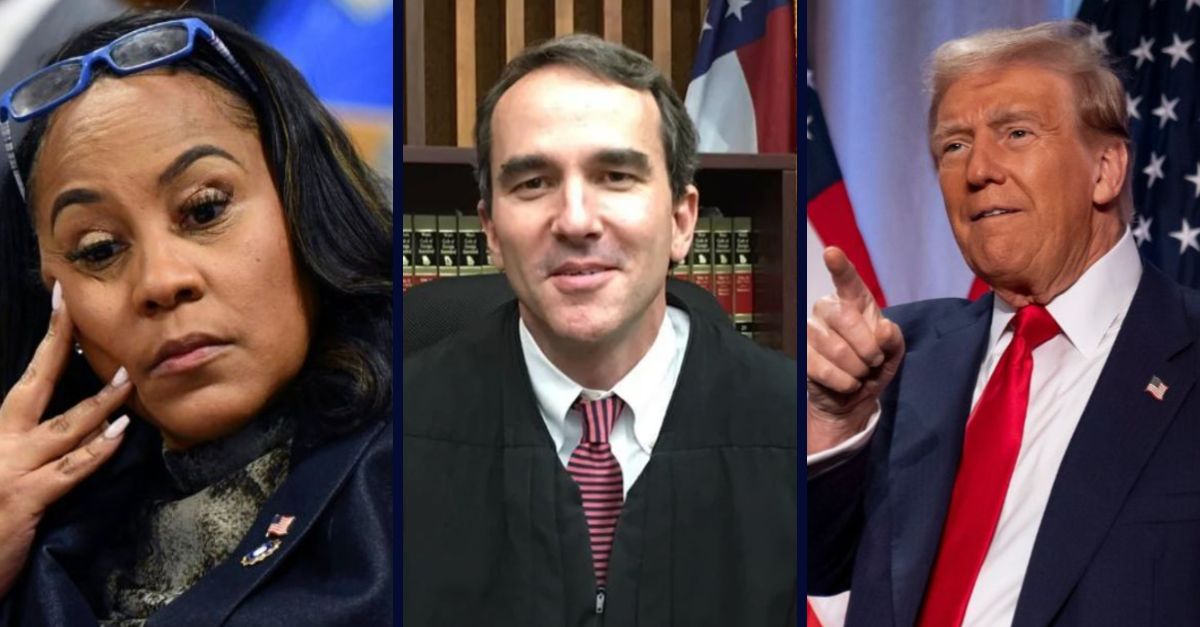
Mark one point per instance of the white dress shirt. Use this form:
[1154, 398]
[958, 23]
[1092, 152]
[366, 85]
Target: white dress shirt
[1065, 371]
[646, 390]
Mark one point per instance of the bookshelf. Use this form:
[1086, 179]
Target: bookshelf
[439, 180]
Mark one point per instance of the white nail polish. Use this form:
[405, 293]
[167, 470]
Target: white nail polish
[56, 299]
[119, 378]
[116, 428]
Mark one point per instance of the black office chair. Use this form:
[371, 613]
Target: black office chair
[438, 309]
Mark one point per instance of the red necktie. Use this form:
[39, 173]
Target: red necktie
[990, 447]
[596, 471]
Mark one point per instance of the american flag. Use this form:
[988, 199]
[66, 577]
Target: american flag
[831, 219]
[280, 525]
[1155, 41]
[1156, 388]
[740, 96]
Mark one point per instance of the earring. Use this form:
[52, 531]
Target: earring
[78, 348]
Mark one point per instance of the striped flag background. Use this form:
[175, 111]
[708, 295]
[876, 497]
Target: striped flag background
[740, 95]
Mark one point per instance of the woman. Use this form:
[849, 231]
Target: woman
[185, 210]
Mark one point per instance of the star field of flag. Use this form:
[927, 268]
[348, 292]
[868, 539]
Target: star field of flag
[1156, 43]
[729, 25]
[740, 94]
[821, 164]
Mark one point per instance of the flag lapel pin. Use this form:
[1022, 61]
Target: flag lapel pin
[1156, 388]
[279, 527]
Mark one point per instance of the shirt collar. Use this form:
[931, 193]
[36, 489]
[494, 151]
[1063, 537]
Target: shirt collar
[556, 392]
[1087, 309]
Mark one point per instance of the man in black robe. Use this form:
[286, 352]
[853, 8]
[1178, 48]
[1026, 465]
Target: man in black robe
[595, 452]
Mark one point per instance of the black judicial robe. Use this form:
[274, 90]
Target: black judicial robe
[494, 532]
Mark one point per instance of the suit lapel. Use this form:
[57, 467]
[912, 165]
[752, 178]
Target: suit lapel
[308, 491]
[932, 406]
[1119, 430]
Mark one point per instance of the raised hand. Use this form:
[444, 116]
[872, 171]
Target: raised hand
[852, 353]
[40, 461]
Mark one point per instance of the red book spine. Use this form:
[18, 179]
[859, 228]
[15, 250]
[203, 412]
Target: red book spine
[723, 289]
[722, 237]
[743, 276]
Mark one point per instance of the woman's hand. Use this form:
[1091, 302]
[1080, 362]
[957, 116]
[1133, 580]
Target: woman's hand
[41, 461]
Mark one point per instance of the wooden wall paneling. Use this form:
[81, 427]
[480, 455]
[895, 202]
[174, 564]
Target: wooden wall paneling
[612, 20]
[514, 28]
[564, 17]
[589, 16]
[686, 22]
[489, 49]
[660, 25]
[635, 20]
[414, 73]
[439, 80]
[539, 20]
[464, 70]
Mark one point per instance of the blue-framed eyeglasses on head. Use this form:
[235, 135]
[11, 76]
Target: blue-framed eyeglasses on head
[142, 49]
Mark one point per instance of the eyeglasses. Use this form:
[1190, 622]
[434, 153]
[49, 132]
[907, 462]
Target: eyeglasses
[142, 49]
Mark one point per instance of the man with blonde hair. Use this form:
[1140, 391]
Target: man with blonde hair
[1028, 458]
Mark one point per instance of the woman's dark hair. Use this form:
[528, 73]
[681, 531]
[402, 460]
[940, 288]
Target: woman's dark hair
[337, 217]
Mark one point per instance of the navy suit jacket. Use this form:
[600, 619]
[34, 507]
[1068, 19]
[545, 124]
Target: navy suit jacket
[334, 566]
[1119, 542]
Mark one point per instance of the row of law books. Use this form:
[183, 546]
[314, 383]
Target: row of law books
[440, 246]
[721, 259]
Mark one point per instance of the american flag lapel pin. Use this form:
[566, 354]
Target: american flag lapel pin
[1156, 388]
[279, 527]
[280, 524]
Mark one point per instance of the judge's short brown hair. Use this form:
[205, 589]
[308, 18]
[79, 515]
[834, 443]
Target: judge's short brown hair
[610, 62]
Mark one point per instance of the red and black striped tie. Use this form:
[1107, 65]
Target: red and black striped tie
[596, 471]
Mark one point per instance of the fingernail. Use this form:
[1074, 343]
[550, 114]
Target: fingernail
[119, 378]
[116, 428]
[56, 296]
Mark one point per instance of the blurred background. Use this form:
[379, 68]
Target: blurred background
[343, 48]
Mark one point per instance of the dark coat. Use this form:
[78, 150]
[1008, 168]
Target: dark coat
[334, 566]
[1119, 542]
[494, 532]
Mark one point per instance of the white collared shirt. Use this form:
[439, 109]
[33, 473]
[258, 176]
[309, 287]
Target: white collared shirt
[1065, 371]
[646, 390]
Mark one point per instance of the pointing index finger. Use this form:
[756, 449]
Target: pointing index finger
[849, 284]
